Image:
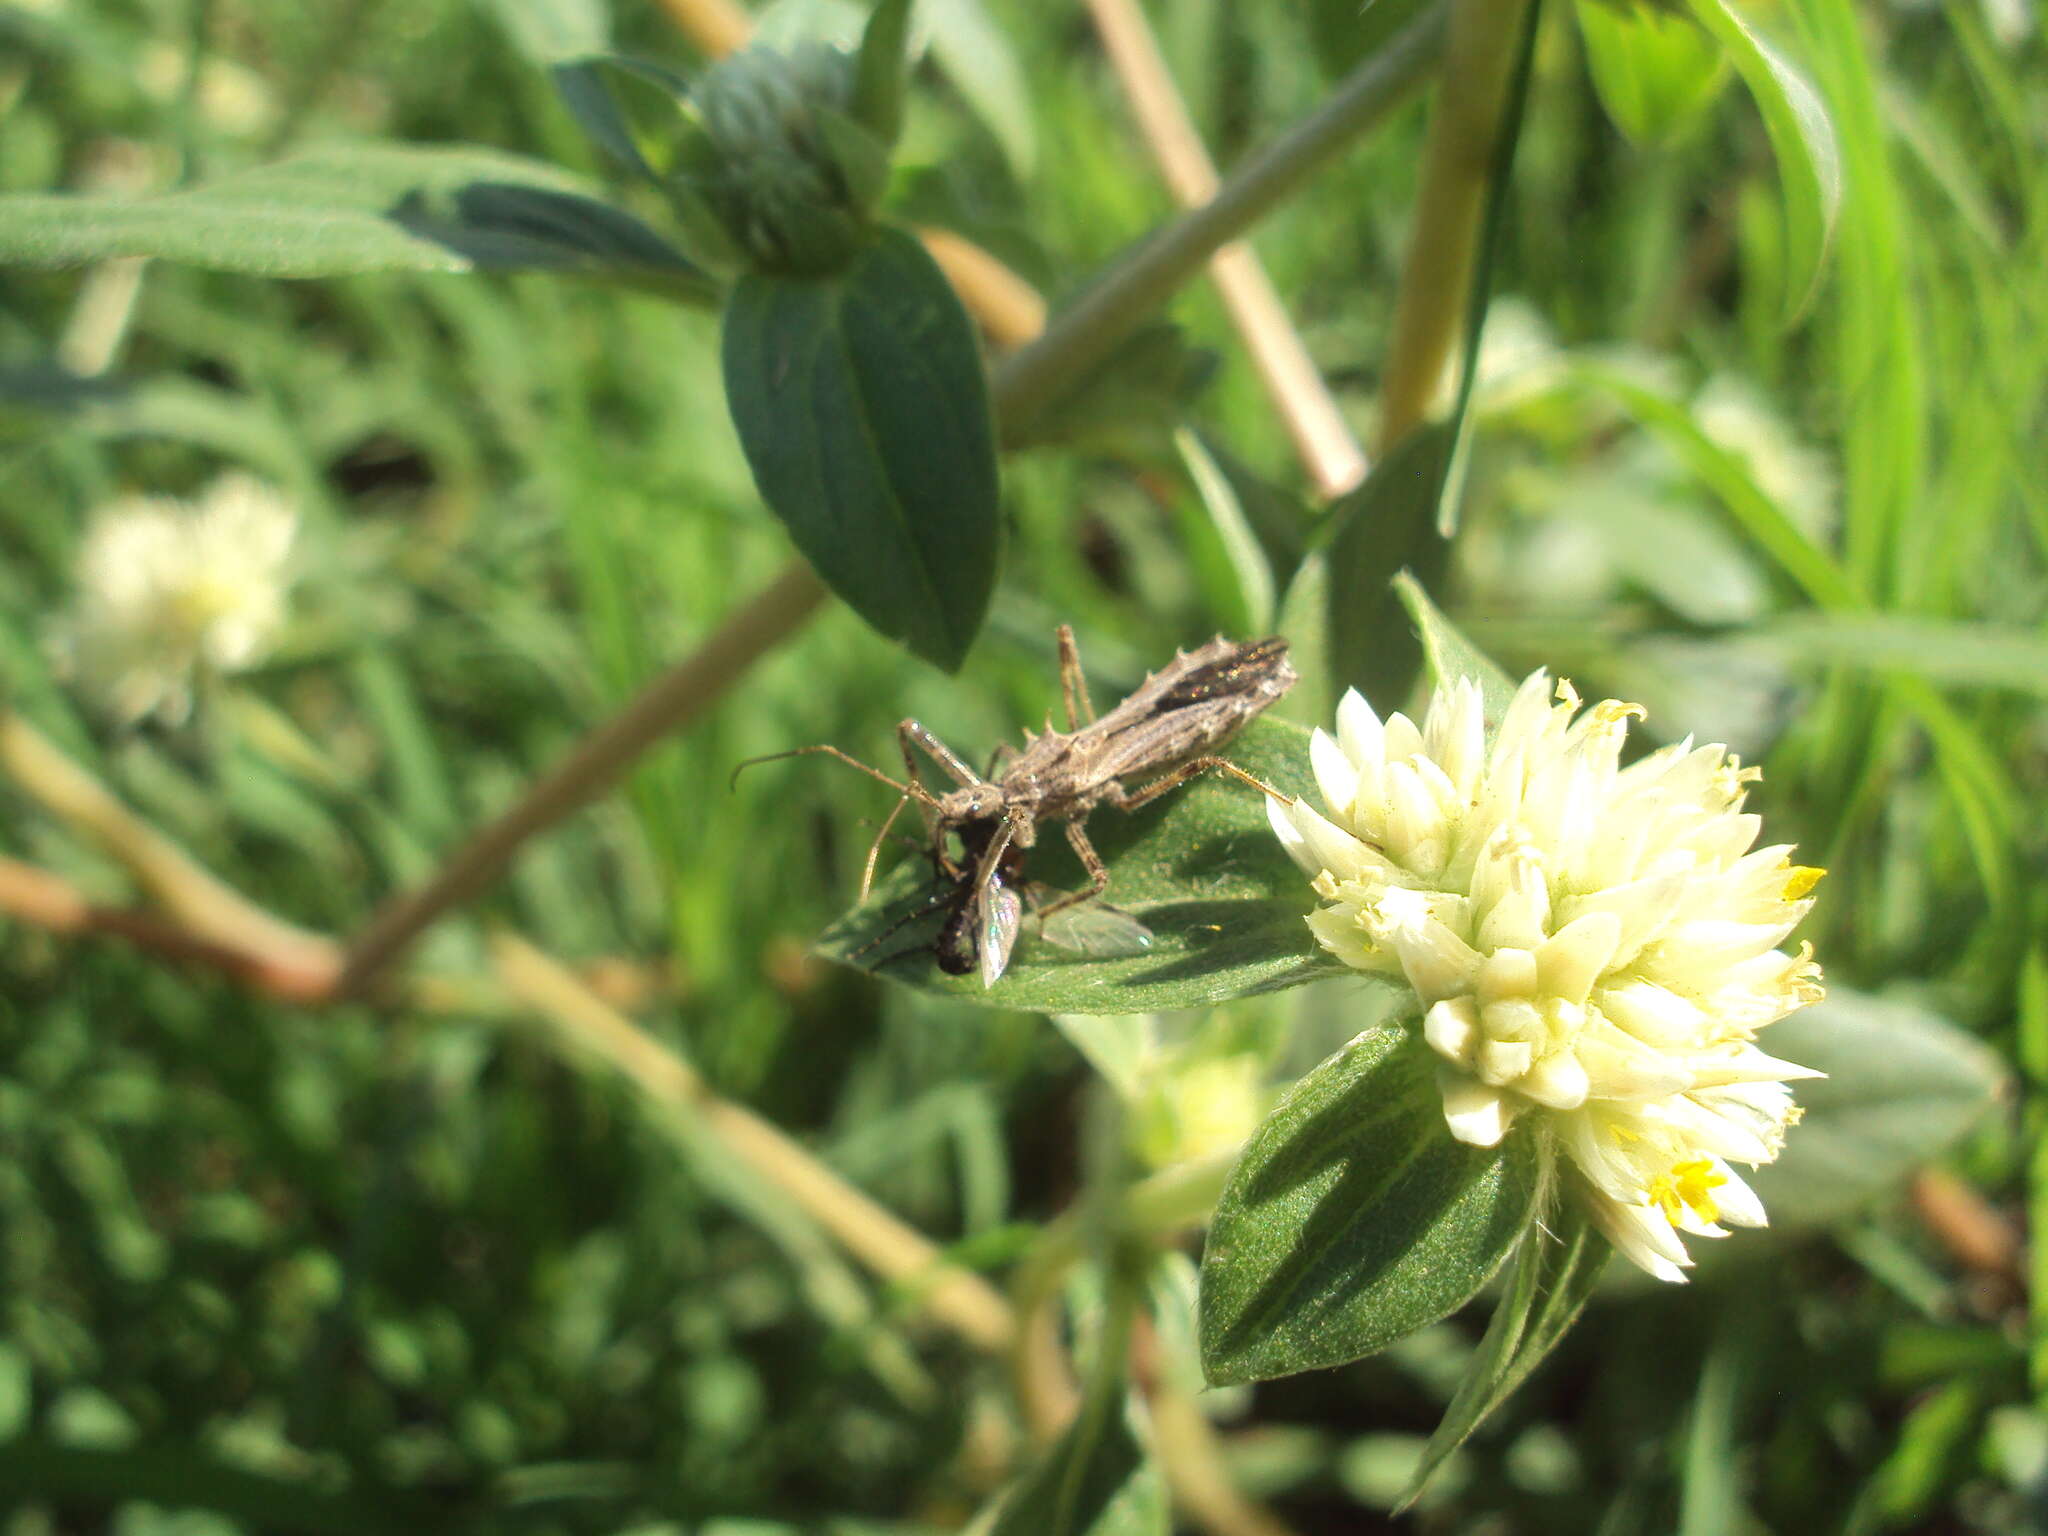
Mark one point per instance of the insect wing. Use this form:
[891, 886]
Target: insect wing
[1002, 914]
[1098, 929]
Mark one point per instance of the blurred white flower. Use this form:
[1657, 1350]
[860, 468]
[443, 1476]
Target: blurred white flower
[1800, 479]
[1594, 946]
[169, 590]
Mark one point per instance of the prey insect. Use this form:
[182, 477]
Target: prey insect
[1158, 738]
[983, 920]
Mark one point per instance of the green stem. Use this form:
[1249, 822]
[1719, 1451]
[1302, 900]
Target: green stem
[1088, 330]
[1436, 280]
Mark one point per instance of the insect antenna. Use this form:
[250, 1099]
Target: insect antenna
[910, 791]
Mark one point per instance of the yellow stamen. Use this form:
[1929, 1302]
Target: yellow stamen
[1689, 1186]
[1799, 879]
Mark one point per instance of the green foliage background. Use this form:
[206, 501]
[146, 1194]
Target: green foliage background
[266, 1269]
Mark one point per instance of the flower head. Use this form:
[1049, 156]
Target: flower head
[167, 590]
[1595, 946]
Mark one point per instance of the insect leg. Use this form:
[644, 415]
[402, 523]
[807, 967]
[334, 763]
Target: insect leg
[1098, 872]
[867, 870]
[1073, 683]
[1130, 799]
[911, 734]
[932, 904]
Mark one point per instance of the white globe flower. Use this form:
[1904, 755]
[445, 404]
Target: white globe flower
[1593, 945]
[167, 590]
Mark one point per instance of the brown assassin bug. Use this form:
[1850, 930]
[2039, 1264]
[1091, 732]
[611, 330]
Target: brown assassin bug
[1155, 740]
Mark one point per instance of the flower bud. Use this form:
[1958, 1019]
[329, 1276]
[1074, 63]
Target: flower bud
[779, 160]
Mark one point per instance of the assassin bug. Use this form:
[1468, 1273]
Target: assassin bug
[1156, 739]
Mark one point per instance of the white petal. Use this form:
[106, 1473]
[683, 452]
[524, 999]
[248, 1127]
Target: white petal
[1280, 819]
[1500, 1062]
[1335, 775]
[1556, 1082]
[1477, 1115]
[1359, 731]
[1436, 961]
[1748, 1065]
[1643, 1236]
[1450, 1027]
[1339, 930]
[1573, 958]
[1327, 847]
[1736, 1201]
[1655, 1015]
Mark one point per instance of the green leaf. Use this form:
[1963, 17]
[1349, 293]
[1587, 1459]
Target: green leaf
[1406, 512]
[348, 208]
[1450, 655]
[1386, 526]
[977, 58]
[1223, 527]
[647, 119]
[880, 69]
[556, 31]
[1656, 73]
[1345, 33]
[1902, 1085]
[1200, 867]
[1095, 1481]
[1556, 1269]
[1354, 1219]
[1951, 652]
[863, 409]
[1802, 138]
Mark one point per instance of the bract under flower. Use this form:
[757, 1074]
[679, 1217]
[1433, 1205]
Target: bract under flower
[1593, 945]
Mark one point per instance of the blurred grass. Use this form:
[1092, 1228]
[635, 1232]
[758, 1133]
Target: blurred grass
[424, 1263]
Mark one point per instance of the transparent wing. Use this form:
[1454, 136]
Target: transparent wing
[1002, 914]
[1096, 928]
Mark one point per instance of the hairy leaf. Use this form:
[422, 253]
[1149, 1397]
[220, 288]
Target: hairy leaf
[1354, 1219]
[863, 408]
[1555, 1271]
[348, 208]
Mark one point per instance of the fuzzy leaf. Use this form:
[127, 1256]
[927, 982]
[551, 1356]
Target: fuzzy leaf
[349, 208]
[1449, 655]
[1556, 1270]
[1354, 1219]
[863, 409]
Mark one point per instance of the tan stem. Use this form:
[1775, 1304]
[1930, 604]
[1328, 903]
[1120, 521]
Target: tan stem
[206, 909]
[1154, 1210]
[1191, 1455]
[1088, 330]
[672, 700]
[898, 1253]
[718, 27]
[37, 897]
[1009, 309]
[1443, 240]
[1322, 439]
